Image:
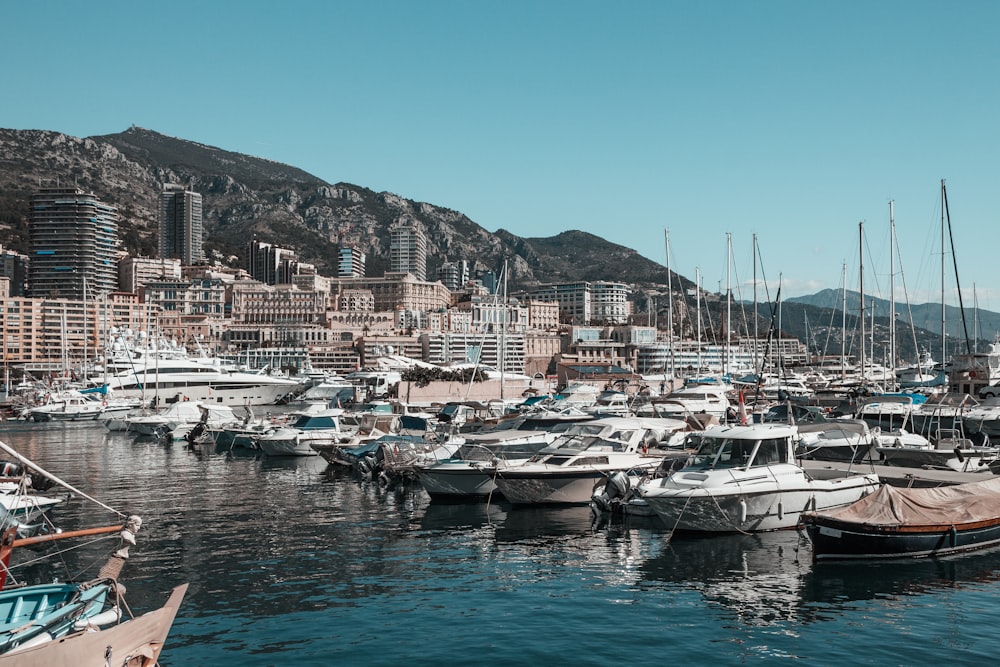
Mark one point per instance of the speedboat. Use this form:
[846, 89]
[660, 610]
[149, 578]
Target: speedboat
[64, 406]
[567, 471]
[745, 479]
[949, 450]
[297, 439]
[181, 415]
[848, 440]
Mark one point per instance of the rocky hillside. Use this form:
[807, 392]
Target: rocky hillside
[246, 197]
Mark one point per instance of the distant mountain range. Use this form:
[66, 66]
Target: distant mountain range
[246, 197]
[981, 324]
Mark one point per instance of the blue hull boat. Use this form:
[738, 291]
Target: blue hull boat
[909, 523]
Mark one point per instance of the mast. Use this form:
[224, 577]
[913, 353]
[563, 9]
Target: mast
[843, 324]
[697, 300]
[756, 334]
[892, 292]
[944, 331]
[729, 302]
[861, 288]
[670, 306]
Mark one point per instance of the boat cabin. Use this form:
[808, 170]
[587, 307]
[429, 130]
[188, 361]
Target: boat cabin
[744, 447]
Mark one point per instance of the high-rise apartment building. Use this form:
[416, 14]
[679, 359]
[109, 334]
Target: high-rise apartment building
[74, 245]
[408, 249]
[351, 263]
[270, 264]
[454, 275]
[181, 234]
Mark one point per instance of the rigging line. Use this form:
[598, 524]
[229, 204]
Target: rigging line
[7, 448]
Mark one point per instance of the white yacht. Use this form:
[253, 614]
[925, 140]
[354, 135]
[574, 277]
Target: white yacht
[205, 380]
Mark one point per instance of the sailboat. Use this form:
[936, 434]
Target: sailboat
[78, 623]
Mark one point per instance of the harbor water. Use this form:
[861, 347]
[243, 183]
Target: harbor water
[294, 563]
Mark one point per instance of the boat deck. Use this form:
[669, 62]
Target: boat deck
[897, 475]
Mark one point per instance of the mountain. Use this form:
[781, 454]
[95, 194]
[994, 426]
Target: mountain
[924, 315]
[246, 197]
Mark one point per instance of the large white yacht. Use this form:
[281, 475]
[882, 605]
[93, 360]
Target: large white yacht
[161, 372]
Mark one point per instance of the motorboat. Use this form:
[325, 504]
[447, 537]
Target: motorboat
[746, 479]
[567, 471]
[297, 439]
[916, 522]
[694, 398]
[180, 417]
[849, 440]
[948, 450]
[888, 411]
[69, 405]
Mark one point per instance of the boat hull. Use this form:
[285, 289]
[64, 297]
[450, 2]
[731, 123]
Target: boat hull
[716, 510]
[839, 540]
[457, 482]
[142, 638]
[558, 485]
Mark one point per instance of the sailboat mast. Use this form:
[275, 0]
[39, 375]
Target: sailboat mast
[670, 305]
[756, 333]
[843, 324]
[861, 288]
[697, 300]
[729, 302]
[944, 332]
[892, 292]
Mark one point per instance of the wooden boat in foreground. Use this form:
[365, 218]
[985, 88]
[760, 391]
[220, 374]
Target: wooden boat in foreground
[909, 523]
[77, 623]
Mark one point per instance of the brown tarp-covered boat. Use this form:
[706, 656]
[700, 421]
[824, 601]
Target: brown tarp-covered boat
[909, 522]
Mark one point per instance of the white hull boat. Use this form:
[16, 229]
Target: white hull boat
[568, 471]
[745, 479]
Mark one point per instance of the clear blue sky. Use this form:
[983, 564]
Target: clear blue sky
[790, 120]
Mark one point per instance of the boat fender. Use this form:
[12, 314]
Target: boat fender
[781, 511]
[107, 617]
[954, 536]
[743, 510]
[958, 453]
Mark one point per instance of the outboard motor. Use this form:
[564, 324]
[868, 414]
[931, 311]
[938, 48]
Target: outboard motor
[613, 494]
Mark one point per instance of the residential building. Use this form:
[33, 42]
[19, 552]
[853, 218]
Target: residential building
[14, 267]
[134, 273]
[351, 263]
[454, 275]
[74, 245]
[408, 248]
[54, 335]
[181, 234]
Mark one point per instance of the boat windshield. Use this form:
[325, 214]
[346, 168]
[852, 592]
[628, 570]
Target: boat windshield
[738, 453]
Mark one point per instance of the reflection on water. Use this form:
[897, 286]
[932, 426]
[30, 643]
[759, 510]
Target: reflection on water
[294, 562]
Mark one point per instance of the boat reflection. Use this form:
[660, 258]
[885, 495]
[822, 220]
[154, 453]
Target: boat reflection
[871, 580]
[758, 576]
